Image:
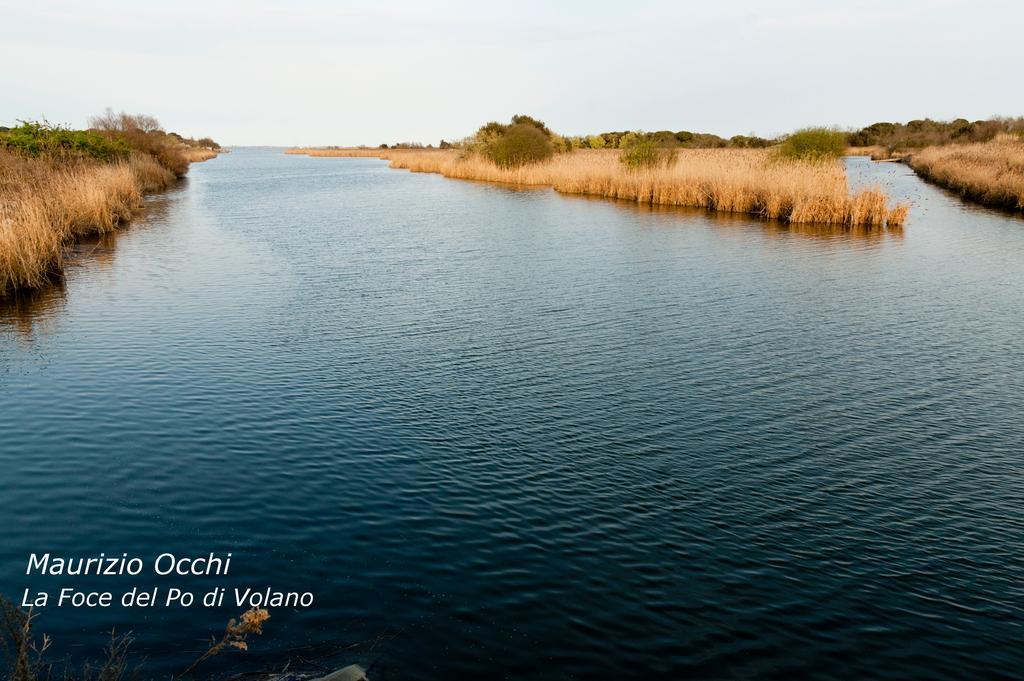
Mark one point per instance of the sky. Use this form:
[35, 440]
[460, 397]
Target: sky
[347, 73]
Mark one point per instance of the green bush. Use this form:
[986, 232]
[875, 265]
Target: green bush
[519, 144]
[749, 142]
[523, 119]
[646, 152]
[814, 144]
[43, 139]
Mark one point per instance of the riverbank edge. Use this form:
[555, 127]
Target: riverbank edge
[111, 198]
[866, 208]
[989, 174]
[967, 193]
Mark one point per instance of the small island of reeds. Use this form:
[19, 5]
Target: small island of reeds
[801, 180]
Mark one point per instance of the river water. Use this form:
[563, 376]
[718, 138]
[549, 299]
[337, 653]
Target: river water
[506, 433]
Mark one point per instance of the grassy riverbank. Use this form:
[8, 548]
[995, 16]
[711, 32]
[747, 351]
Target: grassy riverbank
[753, 181]
[990, 172]
[58, 185]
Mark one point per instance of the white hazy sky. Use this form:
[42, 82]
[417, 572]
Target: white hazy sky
[264, 72]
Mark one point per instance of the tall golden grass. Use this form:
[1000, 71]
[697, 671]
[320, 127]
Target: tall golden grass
[990, 172]
[361, 152]
[198, 154]
[752, 181]
[45, 203]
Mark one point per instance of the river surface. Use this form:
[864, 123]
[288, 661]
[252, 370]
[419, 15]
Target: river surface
[506, 433]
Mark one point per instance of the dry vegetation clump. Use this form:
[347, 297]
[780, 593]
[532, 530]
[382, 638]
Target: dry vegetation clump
[753, 181]
[991, 172]
[57, 185]
[235, 634]
[24, 653]
[143, 133]
[44, 204]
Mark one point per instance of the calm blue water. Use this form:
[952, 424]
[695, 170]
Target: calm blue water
[506, 433]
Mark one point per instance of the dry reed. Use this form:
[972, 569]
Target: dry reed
[752, 181]
[361, 152]
[22, 653]
[991, 172]
[196, 155]
[877, 153]
[45, 203]
[235, 634]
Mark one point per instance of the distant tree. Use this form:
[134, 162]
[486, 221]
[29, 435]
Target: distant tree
[520, 144]
[706, 140]
[664, 137]
[521, 119]
[109, 121]
[749, 142]
[595, 142]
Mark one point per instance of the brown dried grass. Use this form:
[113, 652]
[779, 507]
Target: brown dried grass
[990, 172]
[45, 203]
[197, 155]
[751, 181]
[361, 152]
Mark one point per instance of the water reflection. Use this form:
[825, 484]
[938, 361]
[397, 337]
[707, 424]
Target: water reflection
[868, 233]
[23, 310]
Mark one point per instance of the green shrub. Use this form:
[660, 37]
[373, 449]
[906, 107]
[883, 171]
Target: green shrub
[43, 139]
[814, 144]
[522, 119]
[749, 142]
[648, 152]
[518, 145]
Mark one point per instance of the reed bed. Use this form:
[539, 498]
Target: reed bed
[871, 151]
[197, 155]
[990, 172]
[752, 181]
[879, 153]
[45, 203]
[360, 152]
